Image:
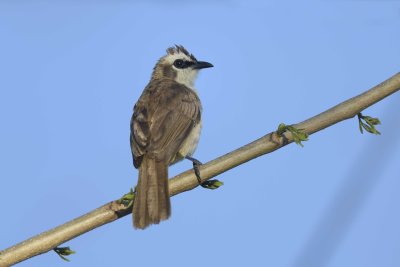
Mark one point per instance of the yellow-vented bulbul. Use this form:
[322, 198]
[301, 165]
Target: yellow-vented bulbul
[165, 128]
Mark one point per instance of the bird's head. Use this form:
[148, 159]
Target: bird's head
[179, 65]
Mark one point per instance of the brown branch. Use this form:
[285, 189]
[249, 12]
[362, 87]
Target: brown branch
[186, 181]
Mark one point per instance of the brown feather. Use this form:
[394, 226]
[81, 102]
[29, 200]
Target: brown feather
[163, 118]
[152, 203]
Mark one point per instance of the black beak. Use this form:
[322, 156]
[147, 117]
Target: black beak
[202, 65]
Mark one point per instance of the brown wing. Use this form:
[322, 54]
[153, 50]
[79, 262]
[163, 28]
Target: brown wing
[162, 119]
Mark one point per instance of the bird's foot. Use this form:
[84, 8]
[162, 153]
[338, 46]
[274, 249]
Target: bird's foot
[209, 184]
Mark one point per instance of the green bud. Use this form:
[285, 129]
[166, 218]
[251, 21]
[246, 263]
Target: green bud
[281, 129]
[368, 123]
[127, 199]
[63, 251]
[212, 184]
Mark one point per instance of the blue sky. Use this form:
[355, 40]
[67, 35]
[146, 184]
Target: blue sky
[72, 71]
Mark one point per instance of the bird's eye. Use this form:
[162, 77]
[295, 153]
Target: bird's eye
[179, 63]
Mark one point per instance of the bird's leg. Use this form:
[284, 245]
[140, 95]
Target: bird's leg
[209, 184]
[196, 164]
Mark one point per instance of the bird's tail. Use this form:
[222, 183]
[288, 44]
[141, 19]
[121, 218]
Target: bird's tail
[151, 204]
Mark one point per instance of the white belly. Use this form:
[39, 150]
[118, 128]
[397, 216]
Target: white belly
[189, 145]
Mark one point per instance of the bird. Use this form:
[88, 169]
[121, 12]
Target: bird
[165, 128]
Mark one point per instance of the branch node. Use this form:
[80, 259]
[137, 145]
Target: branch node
[298, 135]
[127, 199]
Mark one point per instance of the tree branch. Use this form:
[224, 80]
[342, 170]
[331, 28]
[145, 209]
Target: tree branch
[185, 181]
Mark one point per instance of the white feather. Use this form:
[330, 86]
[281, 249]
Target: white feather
[185, 76]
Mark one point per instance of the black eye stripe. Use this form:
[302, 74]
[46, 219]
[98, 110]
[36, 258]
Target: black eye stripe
[182, 64]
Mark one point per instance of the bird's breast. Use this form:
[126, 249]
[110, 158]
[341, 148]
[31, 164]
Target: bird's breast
[190, 144]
